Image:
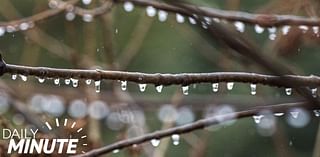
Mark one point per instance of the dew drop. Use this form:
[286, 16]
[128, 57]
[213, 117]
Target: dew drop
[87, 18]
[10, 29]
[142, 87]
[155, 142]
[314, 28]
[53, 4]
[128, 6]
[316, 113]
[240, 26]
[24, 26]
[159, 88]
[217, 20]
[115, 151]
[41, 79]
[285, 30]
[215, 87]
[230, 85]
[175, 139]
[185, 90]
[56, 81]
[278, 114]
[88, 81]
[86, 2]
[67, 81]
[304, 28]
[207, 20]
[14, 76]
[314, 92]
[2, 31]
[74, 82]
[253, 88]
[192, 20]
[179, 18]
[272, 36]
[272, 30]
[70, 16]
[23, 78]
[288, 91]
[97, 86]
[258, 29]
[123, 85]
[294, 114]
[257, 118]
[162, 15]
[151, 11]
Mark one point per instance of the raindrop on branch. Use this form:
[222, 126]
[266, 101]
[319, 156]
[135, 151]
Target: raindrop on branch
[87, 18]
[142, 87]
[24, 26]
[2, 31]
[192, 20]
[88, 81]
[53, 4]
[123, 85]
[185, 90]
[151, 11]
[155, 142]
[162, 15]
[97, 86]
[304, 28]
[56, 81]
[316, 113]
[272, 33]
[314, 92]
[14, 76]
[314, 28]
[258, 29]
[67, 81]
[257, 118]
[23, 78]
[216, 20]
[215, 87]
[159, 88]
[288, 91]
[253, 88]
[74, 82]
[10, 29]
[179, 18]
[86, 2]
[41, 79]
[128, 6]
[285, 30]
[240, 26]
[115, 151]
[230, 85]
[175, 139]
[70, 16]
[278, 114]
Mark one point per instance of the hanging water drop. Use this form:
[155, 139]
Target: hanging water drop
[304, 28]
[314, 28]
[23, 78]
[240, 26]
[288, 91]
[2, 31]
[155, 142]
[159, 88]
[151, 11]
[285, 30]
[294, 114]
[56, 81]
[272, 36]
[41, 79]
[128, 6]
[258, 29]
[192, 20]
[185, 90]
[24, 26]
[97, 86]
[142, 87]
[316, 113]
[88, 81]
[257, 118]
[217, 20]
[253, 88]
[87, 18]
[179, 18]
[162, 15]
[74, 82]
[314, 92]
[86, 2]
[175, 139]
[14, 76]
[272, 33]
[278, 114]
[215, 87]
[115, 151]
[70, 16]
[67, 81]
[123, 85]
[230, 85]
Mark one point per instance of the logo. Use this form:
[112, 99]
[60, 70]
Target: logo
[27, 140]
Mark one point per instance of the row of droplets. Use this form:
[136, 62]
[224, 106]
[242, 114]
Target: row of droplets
[143, 86]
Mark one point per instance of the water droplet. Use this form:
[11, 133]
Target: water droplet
[97, 85]
[41, 79]
[192, 20]
[272, 30]
[142, 87]
[123, 85]
[304, 28]
[87, 18]
[258, 29]
[230, 85]
[115, 151]
[175, 139]
[24, 26]
[74, 82]
[67, 81]
[215, 87]
[155, 142]
[159, 88]
[70, 16]
[294, 114]
[253, 88]
[86, 2]
[56, 81]
[314, 28]
[23, 77]
[216, 20]
[285, 30]
[240, 26]
[278, 114]
[2, 31]
[88, 81]
[272, 36]
[151, 11]
[179, 18]
[162, 15]
[257, 118]
[53, 4]
[314, 92]
[185, 90]
[10, 29]
[288, 91]
[128, 6]
[316, 113]
[14, 76]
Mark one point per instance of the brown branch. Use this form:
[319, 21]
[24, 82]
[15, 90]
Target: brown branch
[200, 124]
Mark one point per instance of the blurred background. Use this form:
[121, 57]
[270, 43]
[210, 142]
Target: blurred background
[140, 39]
